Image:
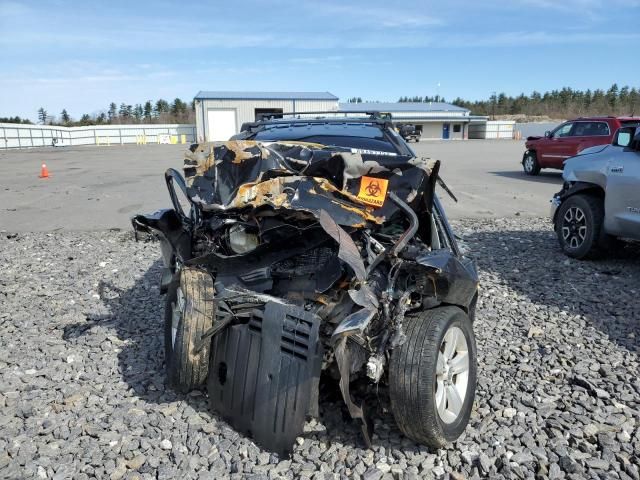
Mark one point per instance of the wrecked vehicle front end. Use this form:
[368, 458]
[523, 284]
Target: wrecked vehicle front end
[291, 259]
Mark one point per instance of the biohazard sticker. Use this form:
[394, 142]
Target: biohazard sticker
[373, 190]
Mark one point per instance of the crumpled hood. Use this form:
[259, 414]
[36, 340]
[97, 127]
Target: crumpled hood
[301, 176]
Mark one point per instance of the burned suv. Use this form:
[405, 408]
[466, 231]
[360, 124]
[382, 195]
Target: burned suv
[307, 255]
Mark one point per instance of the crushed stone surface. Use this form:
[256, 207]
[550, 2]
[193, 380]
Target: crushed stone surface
[83, 395]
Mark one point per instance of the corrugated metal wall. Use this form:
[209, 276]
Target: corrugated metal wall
[13, 135]
[245, 110]
[494, 129]
[434, 130]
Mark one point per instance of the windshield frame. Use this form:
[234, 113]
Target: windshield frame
[388, 134]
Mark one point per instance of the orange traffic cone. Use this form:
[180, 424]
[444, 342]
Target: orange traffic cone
[44, 171]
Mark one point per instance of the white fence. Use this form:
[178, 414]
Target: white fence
[14, 135]
[535, 128]
[494, 129]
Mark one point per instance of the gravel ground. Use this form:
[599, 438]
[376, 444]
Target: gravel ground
[82, 385]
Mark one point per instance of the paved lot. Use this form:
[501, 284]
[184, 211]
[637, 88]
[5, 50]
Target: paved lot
[95, 188]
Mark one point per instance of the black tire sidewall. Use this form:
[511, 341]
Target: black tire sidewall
[591, 240]
[451, 431]
[413, 376]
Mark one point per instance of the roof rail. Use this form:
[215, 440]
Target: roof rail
[373, 114]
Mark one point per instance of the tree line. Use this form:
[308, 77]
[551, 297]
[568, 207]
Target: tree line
[564, 103]
[15, 119]
[160, 111]
[417, 99]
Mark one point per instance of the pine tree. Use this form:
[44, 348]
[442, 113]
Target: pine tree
[178, 107]
[65, 116]
[42, 115]
[138, 112]
[148, 110]
[162, 106]
[612, 96]
[112, 111]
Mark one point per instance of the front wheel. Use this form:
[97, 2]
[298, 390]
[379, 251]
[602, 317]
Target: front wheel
[189, 313]
[530, 164]
[578, 225]
[432, 376]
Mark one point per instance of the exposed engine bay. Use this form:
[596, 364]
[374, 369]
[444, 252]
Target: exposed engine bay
[308, 259]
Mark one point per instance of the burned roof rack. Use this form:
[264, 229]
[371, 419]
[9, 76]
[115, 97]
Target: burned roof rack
[373, 114]
[320, 116]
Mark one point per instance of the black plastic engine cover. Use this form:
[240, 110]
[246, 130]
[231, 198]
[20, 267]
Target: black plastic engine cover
[263, 375]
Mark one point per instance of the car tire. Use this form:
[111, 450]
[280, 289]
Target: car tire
[530, 164]
[430, 400]
[189, 313]
[579, 226]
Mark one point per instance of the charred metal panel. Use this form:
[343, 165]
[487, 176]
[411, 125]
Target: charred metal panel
[264, 374]
[449, 279]
[298, 176]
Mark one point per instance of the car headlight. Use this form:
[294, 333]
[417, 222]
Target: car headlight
[240, 240]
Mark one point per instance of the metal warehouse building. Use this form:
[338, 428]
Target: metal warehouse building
[219, 115]
[436, 120]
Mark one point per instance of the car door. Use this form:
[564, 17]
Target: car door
[622, 196]
[556, 149]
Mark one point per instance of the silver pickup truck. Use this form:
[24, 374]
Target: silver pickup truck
[599, 203]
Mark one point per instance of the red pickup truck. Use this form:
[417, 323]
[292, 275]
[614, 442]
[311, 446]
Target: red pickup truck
[568, 139]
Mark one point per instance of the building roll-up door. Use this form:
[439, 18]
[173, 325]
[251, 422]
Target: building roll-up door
[222, 125]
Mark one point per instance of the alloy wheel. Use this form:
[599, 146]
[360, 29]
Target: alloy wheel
[574, 227]
[452, 375]
[528, 164]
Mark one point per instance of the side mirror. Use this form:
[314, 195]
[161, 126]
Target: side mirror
[624, 136]
[547, 134]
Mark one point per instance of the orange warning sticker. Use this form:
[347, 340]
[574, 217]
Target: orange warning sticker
[373, 190]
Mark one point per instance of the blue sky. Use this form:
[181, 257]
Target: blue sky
[83, 55]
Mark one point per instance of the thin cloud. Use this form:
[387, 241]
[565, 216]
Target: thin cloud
[375, 17]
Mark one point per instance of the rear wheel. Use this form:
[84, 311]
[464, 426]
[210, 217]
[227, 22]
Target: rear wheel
[530, 164]
[188, 315]
[432, 376]
[579, 226]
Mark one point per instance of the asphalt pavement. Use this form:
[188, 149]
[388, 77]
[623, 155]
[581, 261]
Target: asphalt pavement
[97, 188]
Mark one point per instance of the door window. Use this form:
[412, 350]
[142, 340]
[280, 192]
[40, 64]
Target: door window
[562, 130]
[590, 129]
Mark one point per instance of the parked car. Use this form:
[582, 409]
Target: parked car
[568, 139]
[409, 133]
[295, 258]
[599, 203]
